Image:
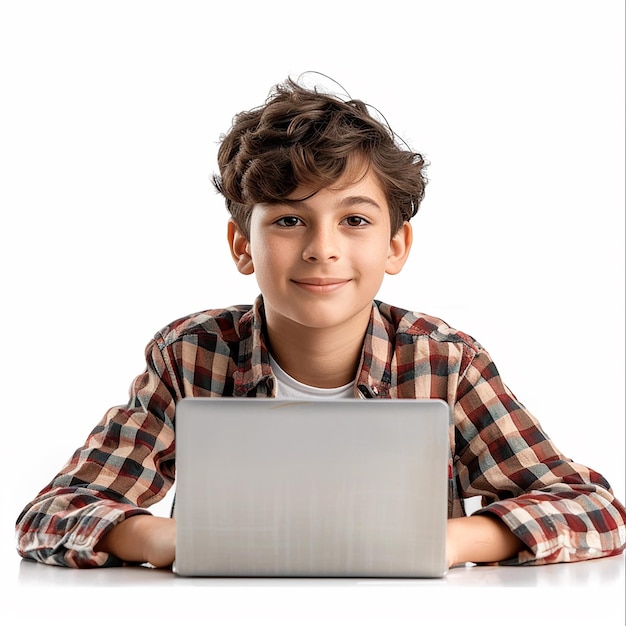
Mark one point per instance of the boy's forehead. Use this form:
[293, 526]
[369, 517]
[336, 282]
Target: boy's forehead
[354, 179]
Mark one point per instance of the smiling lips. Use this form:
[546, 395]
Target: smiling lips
[321, 285]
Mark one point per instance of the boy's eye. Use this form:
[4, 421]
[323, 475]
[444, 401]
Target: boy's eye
[355, 220]
[288, 220]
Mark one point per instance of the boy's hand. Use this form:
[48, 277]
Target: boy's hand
[142, 539]
[480, 539]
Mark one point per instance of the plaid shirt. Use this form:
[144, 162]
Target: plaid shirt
[561, 511]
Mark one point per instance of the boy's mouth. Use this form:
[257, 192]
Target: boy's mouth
[321, 285]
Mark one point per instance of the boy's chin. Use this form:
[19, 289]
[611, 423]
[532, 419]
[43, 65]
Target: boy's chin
[317, 319]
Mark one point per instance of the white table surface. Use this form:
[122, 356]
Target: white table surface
[571, 593]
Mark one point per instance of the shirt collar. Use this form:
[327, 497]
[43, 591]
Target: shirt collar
[254, 375]
[374, 376]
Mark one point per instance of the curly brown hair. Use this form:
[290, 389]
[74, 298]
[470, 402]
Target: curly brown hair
[302, 136]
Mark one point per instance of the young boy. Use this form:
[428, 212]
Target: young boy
[320, 195]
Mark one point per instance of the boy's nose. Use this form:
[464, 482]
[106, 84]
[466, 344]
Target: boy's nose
[322, 245]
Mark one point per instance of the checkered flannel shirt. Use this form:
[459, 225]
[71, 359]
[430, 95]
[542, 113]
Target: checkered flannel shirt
[561, 511]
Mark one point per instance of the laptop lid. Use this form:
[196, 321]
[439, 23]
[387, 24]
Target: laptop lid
[268, 487]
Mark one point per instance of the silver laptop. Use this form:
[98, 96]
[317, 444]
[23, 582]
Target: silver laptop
[345, 488]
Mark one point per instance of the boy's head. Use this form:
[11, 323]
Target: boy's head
[301, 137]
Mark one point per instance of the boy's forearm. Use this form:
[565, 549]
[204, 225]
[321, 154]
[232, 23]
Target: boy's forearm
[480, 539]
[142, 539]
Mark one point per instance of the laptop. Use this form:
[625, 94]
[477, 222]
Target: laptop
[284, 488]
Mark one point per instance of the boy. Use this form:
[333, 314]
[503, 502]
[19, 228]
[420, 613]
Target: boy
[320, 196]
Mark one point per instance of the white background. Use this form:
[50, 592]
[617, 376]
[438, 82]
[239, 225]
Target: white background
[111, 117]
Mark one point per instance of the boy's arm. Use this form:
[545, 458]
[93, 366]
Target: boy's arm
[125, 465]
[558, 510]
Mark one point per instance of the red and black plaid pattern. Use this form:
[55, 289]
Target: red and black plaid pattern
[562, 511]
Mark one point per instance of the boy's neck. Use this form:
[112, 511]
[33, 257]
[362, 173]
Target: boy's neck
[319, 357]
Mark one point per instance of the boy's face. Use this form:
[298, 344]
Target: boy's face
[319, 262]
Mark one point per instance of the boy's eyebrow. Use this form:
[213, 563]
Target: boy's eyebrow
[347, 202]
[353, 200]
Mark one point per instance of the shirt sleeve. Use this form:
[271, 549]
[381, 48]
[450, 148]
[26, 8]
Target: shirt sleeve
[125, 465]
[560, 510]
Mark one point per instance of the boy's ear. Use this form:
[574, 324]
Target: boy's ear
[399, 248]
[239, 249]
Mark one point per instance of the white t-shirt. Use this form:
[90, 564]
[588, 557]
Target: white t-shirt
[289, 387]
